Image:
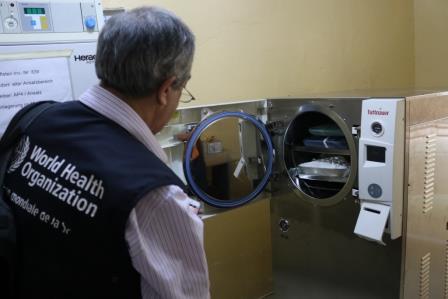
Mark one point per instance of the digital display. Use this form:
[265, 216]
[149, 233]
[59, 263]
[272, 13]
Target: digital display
[34, 10]
[376, 154]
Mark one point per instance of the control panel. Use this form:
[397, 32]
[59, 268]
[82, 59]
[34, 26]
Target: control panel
[35, 17]
[62, 16]
[47, 51]
[381, 156]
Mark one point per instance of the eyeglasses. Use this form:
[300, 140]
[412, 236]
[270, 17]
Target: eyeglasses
[187, 94]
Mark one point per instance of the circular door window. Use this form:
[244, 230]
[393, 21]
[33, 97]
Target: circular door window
[228, 159]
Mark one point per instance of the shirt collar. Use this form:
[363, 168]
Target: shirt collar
[112, 107]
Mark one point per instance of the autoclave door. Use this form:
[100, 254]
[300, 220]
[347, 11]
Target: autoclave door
[228, 159]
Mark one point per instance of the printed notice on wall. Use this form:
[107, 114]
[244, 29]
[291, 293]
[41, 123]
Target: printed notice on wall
[24, 81]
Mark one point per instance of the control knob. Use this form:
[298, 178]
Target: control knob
[90, 23]
[11, 23]
[375, 190]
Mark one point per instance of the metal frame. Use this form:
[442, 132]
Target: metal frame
[308, 108]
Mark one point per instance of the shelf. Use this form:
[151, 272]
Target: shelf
[181, 124]
[323, 178]
[307, 149]
[171, 144]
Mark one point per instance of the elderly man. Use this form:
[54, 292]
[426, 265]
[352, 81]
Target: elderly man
[99, 214]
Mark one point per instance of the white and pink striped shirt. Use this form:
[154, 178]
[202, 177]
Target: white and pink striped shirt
[164, 234]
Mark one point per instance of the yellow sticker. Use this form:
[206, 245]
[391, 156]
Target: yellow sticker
[44, 23]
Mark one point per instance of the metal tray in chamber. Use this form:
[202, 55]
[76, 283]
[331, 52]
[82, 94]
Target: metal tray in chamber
[317, 154]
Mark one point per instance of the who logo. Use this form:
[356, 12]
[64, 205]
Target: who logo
[19, 154]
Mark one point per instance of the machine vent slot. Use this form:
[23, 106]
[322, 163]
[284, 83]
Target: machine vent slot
[425, 269]
[430, 167]
[446, 270]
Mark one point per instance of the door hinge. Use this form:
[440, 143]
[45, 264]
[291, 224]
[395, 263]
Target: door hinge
[356, 130]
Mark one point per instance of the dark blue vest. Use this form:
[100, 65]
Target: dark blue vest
[72, 182]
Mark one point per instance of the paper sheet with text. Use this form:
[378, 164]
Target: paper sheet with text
[24, 81]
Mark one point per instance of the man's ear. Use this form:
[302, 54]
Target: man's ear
[164, 91]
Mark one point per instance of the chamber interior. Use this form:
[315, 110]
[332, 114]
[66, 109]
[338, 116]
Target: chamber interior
[317, 155]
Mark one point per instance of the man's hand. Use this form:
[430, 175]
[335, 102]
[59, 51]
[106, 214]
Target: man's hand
[185, 136]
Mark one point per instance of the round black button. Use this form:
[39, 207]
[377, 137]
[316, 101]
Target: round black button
[375, 190]
[377, 128]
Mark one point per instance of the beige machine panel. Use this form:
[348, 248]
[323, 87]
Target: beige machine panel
[239, 254]
[426, 107]
[426, 252]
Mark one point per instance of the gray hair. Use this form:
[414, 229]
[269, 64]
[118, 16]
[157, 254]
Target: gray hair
[140, 49]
